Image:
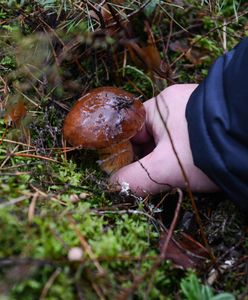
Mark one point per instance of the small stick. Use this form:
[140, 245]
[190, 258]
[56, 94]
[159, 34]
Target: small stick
[34, 156]
[13, 201]
[86, 247]
[127, 292]
[31, 208]
[8, 156]
[47, 196]
[49, 283]
[17, 143]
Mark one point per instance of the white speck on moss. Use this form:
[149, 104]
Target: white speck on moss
[75, 254]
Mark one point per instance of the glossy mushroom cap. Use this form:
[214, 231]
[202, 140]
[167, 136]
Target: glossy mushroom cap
[104, 116]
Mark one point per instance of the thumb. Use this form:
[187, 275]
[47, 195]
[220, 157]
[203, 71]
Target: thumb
[142, 176]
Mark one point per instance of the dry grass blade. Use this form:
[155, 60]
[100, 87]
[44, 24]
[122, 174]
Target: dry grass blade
[14, 201]
[48, 196]
[31, 208]
[86, 247]
[49, 283]
[18, 143]
[35, 156]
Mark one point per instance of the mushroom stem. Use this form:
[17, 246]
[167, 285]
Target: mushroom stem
[115, 157]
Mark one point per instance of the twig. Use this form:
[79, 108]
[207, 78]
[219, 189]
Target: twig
[224, 36]
[187, 186]
[31, 208]
[34, 156]
[47, 196]
[9, 261]
[150, 177]
[139, 279]
[169, 235]
[51, 30]
[13, 201]
[8, 156]
[98, 13]
[18, 143]
[15, 173]
[86, 247]
[28, 98]
[98, 291]
[173, 224]
[49, 283]
[5, 88]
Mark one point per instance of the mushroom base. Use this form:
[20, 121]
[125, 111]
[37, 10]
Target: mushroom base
[115, 157]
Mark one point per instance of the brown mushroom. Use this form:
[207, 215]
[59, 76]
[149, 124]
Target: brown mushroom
[105, 119]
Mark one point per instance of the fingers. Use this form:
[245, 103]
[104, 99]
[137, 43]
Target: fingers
[160, 169]
[143, 175]
[145, 135]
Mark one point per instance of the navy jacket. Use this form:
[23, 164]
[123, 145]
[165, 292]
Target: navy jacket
[217, 116]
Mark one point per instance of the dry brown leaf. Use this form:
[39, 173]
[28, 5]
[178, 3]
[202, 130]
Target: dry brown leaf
[147, 54]
[194, 54]
[15, 113]
[184, 251]
[105, 17]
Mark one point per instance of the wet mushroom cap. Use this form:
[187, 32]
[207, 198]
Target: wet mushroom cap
[104, 116]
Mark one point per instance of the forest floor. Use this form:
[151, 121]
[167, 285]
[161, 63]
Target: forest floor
[65, 233]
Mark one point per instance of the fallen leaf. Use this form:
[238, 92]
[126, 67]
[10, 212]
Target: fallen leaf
[184, 251]
[147, 54]
[104, 16]
[194, 54]
[15, 113]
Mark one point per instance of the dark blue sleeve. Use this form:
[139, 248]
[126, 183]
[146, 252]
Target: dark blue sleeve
[217, 116]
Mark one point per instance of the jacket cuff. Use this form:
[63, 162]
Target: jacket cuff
[217, 116]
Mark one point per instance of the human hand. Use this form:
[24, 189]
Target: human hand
[158, 167]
